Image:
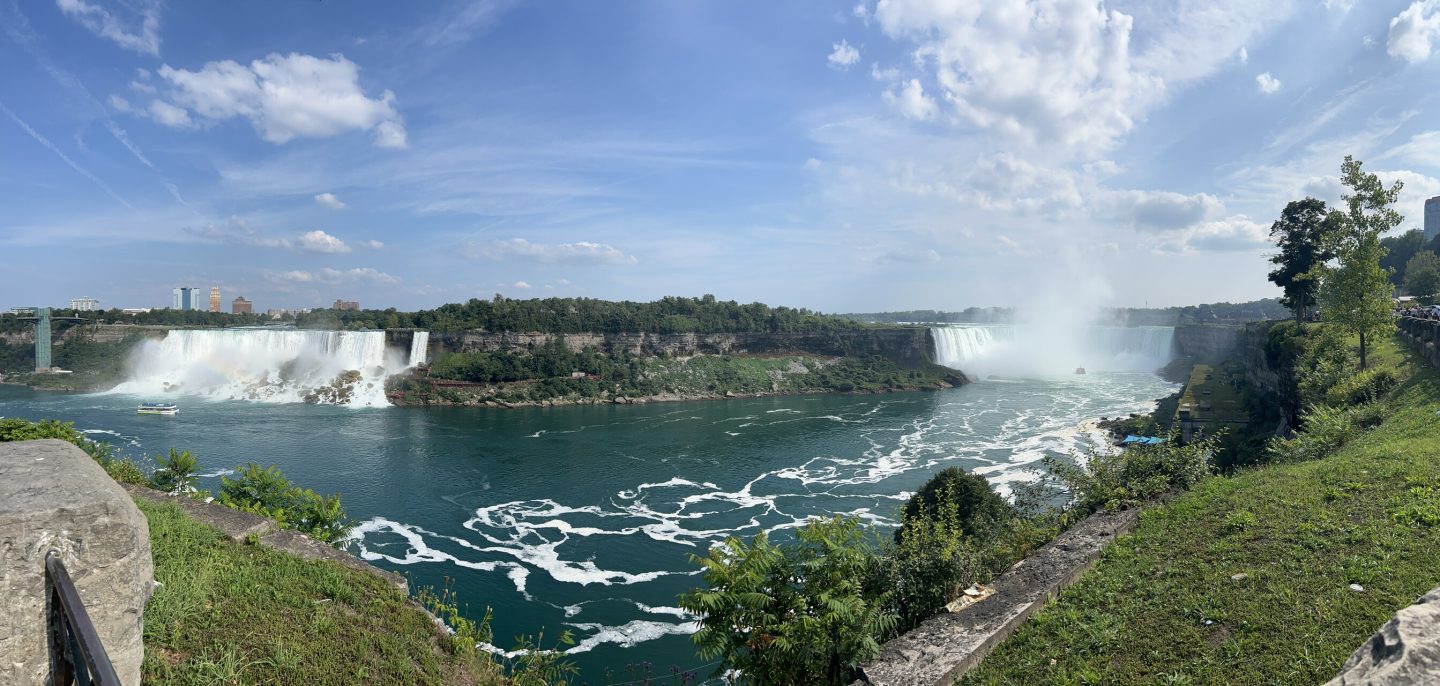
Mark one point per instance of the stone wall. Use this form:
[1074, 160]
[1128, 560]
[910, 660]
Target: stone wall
[1424, 335]
[55, 497]
[907, 346]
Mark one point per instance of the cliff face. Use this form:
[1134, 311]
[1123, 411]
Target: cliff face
[1206, 342]
[906, 346]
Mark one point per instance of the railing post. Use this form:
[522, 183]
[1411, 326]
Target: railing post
[72, 632]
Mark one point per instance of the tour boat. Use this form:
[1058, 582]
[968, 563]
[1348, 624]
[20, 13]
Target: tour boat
[1079, 370]
[157, 408]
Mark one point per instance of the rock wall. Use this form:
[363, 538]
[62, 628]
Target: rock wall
[906, 346]
[1424, 335]
[1206, 342]
[55, 497]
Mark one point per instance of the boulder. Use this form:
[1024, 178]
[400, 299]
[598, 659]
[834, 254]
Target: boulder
[55, 497]
[1405, 651]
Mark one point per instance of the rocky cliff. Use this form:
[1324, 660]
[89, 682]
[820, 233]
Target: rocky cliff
[909, 347]
[1206, 342]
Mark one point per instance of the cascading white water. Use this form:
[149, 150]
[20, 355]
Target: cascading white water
[1034, 349]
[270, 365]
[419, 346]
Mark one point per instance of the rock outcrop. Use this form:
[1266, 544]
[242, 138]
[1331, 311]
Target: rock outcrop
[1405, 651]
[55, 497]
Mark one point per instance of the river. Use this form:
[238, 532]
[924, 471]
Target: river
[582, 518]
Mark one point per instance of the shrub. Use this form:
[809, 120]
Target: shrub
[125, 470]
[978, 509]
[265, 491]
[931, 563]
[175, 473]
[1362, 387]
[805, 613]
[24, 430]
[1118, 480]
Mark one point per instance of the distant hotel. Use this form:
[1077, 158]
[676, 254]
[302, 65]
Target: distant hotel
[215, 299]
[84, 304]
[241, 306]
[345, 305]
[1432, 218]
[185, 298]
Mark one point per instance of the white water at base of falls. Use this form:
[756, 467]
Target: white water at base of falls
[270, 365]
[1034, 350]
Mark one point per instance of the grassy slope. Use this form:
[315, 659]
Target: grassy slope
[1161, 606]
[233, 613]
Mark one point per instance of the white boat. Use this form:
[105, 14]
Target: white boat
[157, 408]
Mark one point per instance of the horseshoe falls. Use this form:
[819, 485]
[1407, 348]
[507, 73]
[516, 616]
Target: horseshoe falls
[1036, 350]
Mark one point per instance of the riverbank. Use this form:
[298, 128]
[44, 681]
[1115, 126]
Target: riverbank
[1287, 567]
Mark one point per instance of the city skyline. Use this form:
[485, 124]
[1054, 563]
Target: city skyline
[841, 156]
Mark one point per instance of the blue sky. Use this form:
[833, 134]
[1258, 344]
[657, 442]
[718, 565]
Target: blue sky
[835, 155]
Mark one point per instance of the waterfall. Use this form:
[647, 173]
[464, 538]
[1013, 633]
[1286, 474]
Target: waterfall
[419, 347]
[270, 365]
[1036, 349]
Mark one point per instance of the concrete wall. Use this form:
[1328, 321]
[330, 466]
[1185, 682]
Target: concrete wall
[55, 497]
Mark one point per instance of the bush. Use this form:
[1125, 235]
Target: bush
[175, 473]
[932, 562]
[1326, 429]
[805, 613]
[1362, 387]
[978, 509]
[1119, 480]
[265, 491]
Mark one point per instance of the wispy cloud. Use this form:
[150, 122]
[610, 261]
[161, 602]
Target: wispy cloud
[140, 33]
[42, 140]
[582, 252]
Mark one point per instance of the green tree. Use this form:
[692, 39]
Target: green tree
[804, 613]
[1422, 277]
[1399, 250]
[978, 508]
[1356, 293]
[175, 473]
[1300, 235]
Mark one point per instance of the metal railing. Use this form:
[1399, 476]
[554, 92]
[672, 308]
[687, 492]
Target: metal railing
[76, 654]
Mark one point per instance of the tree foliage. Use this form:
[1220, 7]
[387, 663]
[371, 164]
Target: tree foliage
[802, 613]
[1356, 294]
[978, 509]
[265, 491]
[1422, 277]
[1399, 250]
[1300, 235]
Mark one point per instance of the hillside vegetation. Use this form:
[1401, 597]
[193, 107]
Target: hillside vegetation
[1248, 579]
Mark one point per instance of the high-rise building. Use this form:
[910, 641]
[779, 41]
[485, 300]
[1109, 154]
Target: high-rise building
[241, 306]
[84, 304]
[1432, 218]
[185, 298]
[345, 305]
[214, 298]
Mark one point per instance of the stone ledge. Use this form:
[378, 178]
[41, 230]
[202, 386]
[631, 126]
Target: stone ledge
[948, 645]
[240, 526]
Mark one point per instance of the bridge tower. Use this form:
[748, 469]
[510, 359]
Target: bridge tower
[42, 321]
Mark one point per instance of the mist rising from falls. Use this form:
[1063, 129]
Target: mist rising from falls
[1036, 350]
[270, 365]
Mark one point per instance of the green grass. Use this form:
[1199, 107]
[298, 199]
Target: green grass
[1161, 606]
[230, 613]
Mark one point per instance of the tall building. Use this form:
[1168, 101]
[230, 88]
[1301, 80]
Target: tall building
[214, 298]
[84, 304]
[1432, 218]
[185, 298]
[345, 305]
[241, 306]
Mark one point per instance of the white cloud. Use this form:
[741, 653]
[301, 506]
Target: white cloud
[583, 252]
[888, 75]
[329, 200]
[1244, 56]
[1267, 83]
[329, 275]
[1231, 234]
[1161, 211]
[813, 164]
[1341, 6]
[319, 241]
[141, 87]
[912, 102]
[288, 96]
[169, 115]
[1413, 31]
[373, 245]
[1068, 76]
[910, 256]
[140, 33]
[843, 56]
[522, 285]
